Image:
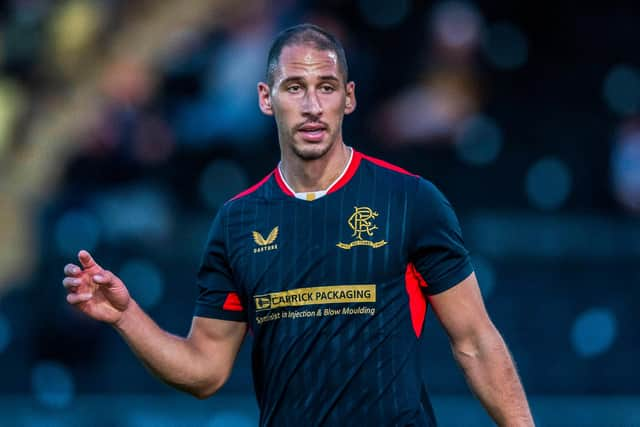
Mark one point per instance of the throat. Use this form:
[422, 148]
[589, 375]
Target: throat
[313, 192]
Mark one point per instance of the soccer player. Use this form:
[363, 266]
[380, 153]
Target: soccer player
[330, 261]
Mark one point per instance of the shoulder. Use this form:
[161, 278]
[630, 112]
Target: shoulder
[421, 190]
[239, 202]
[383, 165]
[426, 189]
[388, 175]
[256, 190]
[420, 187]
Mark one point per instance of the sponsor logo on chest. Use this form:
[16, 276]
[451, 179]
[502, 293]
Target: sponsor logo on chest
[268, 244]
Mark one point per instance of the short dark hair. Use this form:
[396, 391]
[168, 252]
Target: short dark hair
[305, 34]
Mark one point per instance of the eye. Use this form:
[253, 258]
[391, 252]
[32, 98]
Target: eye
[294, 88]
[327, 88]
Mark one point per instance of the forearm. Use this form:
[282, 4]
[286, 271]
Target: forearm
[492, 376]
[169, 357]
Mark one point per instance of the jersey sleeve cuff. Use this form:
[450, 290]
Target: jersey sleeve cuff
[202, 310]
[452, 278]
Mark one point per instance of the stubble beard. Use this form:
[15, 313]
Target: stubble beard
[310, 151]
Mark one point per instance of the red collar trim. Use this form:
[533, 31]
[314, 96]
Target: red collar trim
[252, 188]
[281, 183]
[349, 173]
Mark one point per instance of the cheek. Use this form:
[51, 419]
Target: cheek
[283, 120]
[284, 109]
[337, 110]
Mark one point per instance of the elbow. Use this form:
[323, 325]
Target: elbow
[208, 388]
[203, 393]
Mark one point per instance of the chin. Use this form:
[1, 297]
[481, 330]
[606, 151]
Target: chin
[311, 151]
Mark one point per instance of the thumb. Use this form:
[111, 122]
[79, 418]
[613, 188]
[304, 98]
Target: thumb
[104, 278]
[86, 260]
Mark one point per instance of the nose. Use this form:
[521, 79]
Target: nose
[311, 104]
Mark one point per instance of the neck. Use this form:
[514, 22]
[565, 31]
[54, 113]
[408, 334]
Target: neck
[314, 175]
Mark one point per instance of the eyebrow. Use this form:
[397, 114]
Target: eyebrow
[326, 78]
[330, 78]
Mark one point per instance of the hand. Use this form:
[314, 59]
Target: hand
[96, 292]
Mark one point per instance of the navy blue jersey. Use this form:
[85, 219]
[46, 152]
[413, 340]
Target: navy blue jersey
[334, 291]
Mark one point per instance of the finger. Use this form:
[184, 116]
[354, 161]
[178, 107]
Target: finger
[71, 283]
[78, 298]
[86, 259]
[72, 270]
[104, 278]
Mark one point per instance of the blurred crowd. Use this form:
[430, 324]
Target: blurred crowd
[124, 125]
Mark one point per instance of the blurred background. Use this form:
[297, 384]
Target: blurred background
[124, 125]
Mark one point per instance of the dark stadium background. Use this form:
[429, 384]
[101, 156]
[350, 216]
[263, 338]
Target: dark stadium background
[124, 125]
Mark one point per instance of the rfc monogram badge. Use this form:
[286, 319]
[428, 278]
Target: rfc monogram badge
[361, 222]
[267, 244]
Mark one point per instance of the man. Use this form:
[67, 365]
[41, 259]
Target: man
[336, 293]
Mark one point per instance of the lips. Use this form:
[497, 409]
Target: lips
[313, 132]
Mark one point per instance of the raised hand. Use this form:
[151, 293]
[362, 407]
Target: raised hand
[96, 292]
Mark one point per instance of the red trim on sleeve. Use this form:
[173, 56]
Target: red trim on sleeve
[232, 303]
[281, 183]
[417, 302]
[387, 165]
[349, 173]
[252, 188]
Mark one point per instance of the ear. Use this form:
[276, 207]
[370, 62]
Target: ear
[350, 103]
[264, 98]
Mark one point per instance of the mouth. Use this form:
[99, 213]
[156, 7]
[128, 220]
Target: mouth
[312, 132]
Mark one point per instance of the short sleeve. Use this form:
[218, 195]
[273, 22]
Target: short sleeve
[437, 248]
[218, 296]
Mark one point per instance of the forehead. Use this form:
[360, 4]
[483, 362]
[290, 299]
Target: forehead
[305, 60]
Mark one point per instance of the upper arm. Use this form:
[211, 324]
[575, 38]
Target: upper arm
[217, 340]
[219, 293]
[436, 247]
[461, 311]
[219, 324]
[441, 259]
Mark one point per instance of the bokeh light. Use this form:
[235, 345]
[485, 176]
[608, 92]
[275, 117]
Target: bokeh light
[625, 168]
[220, 181]
[124, 213]
[548, 183]
[456, 24]
[75, 230]
[622, 90]
[74, 27]
[384, 14]
[505, 46]
[52, 384]
[227, 108]
[5, 333]
[144, 281]
[593, 332]
[479, 140]
[12, 105]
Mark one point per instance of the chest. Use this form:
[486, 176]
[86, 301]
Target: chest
[283, 245]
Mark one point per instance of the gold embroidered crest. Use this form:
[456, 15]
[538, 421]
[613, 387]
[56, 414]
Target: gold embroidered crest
[361, 222]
